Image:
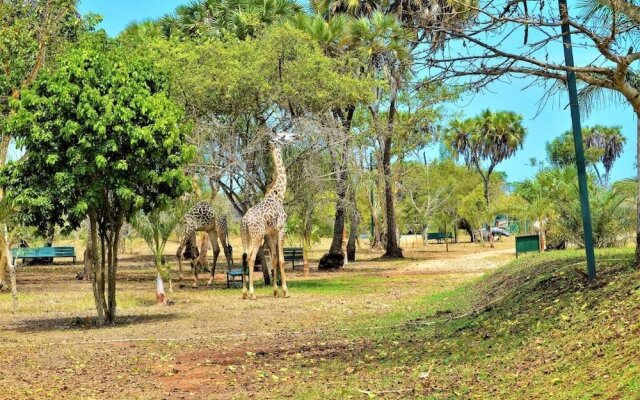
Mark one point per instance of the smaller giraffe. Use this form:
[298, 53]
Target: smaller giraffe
[203, 218]
[267, 218]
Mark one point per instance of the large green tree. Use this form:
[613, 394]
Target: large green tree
[31, 32]
[103, 140]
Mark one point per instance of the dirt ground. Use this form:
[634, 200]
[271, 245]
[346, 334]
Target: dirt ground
[209, 344]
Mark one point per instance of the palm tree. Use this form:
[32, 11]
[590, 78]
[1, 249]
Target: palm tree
[215, 18]
[385, 47]
[611, 143]
[490, 137]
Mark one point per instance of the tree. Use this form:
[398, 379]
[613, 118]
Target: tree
[156, 226]
[282, 78]
[31, 33]
[385, 44]
[215, 18]
[101, 136]
[491, 137]
[607, 28]
[552, 198]
[602, 145]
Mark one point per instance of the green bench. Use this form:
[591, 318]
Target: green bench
[439, 236]
[293, 254]
[232, 276]
[43, 252]
[527, 243]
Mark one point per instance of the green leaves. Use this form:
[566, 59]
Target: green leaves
[100, 134]
[491, 136]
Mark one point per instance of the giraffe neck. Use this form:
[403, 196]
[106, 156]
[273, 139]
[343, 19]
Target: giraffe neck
[279, 183]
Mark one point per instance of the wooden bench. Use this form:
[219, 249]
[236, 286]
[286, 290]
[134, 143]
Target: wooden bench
[439, 236]
[293, 254]
[43, 252]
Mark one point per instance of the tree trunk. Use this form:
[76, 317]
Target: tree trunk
[338, 224]
[114, 242]
[376, 240]
[3, 264]
[97, 269]
[306, 242]
[353, 235]
[12, 268]
[343, 250]
[638, 183]
[486, 181]
[85, 274]
[4, 151]
[335, 257]
[393, 249]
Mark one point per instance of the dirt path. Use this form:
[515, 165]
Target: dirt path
[478, 262]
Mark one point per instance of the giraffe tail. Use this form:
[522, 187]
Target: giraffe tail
[245, 242]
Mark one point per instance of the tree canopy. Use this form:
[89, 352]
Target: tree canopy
[103, 140]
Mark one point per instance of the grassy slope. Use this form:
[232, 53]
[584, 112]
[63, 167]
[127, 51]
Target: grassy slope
[532, 329]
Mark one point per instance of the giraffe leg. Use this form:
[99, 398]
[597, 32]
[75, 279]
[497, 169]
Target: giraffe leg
[222, 235]
[246, 267]
[273, 244]
[216, 251]
[185, 241]
[285, 291]
[255, 246]
[252, 260]
[194, 260]
[195, 267]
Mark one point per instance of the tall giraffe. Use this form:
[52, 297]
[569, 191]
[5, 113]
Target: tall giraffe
[267, 218]
[203, 217]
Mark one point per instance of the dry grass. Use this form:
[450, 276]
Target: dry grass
[205, 342]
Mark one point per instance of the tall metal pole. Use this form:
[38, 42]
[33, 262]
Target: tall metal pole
[577, 138]
[372, 205]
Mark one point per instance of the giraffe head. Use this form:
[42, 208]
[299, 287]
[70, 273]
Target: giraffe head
[283, 138]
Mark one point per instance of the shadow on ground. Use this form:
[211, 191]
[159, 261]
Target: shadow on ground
[83, 323]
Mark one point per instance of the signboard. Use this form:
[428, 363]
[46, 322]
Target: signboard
[527, 243]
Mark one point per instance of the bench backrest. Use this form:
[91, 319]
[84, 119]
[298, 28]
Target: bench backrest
[439, 235]
[292, 253]
[40, 252]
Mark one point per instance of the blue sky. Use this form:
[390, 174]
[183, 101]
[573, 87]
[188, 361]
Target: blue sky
[542, 128]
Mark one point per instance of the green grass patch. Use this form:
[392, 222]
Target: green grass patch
[532, 329]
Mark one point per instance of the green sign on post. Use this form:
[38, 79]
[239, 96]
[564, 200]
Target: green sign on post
[526, 244]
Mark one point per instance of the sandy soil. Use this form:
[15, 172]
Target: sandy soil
[204, 345]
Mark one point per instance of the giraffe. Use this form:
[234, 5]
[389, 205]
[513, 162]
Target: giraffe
[267, 218]
[203, 217]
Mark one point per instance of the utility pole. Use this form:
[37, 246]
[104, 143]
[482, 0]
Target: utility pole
[577, 138]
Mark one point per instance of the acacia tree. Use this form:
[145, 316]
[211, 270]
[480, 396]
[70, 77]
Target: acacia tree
[102, 137]
[280, 79]
[30, 32]
[609, 29]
